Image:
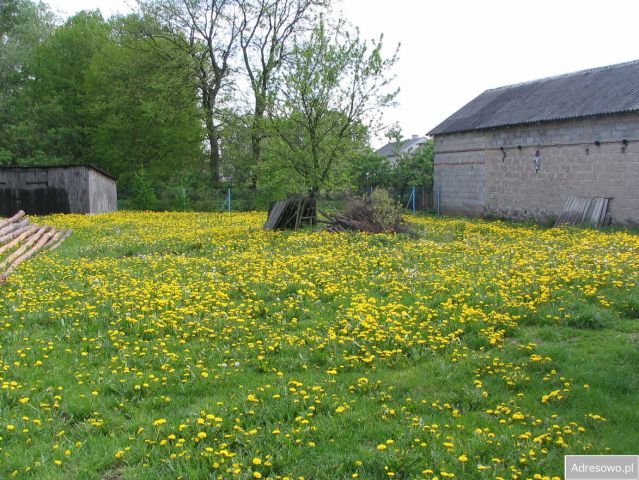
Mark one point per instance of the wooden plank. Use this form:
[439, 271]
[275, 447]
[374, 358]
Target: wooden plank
[581, 212]
[274, 215]
[287, 216]
[300, 206]
[562, 216]
[571, 210]
[584, 211]
[570, 207]
[595, 217]
[604, 213]
[584, 205]
[592, 210]
[291, 213]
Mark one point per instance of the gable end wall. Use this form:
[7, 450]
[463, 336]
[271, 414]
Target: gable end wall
[103, 193]
[459, 173]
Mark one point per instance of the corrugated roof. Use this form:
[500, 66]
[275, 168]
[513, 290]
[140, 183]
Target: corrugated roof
[598, 91]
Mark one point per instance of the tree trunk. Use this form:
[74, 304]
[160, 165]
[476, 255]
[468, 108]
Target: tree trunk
[313, 193]
[211, 134]
[256, 139]
[214, 154]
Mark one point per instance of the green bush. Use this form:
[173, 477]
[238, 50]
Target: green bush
[386, 210]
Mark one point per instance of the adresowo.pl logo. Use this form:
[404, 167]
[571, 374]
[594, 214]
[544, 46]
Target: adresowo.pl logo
[601, 467]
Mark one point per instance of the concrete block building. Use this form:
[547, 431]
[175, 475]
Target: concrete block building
[520, 151]
[56, 189]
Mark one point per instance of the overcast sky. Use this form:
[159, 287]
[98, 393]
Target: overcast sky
[452, 50]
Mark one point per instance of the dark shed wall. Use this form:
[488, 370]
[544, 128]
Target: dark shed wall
[29, 190]
[75, 180]
[42, 190]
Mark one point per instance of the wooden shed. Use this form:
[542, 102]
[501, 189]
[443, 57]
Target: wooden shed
[56, 189]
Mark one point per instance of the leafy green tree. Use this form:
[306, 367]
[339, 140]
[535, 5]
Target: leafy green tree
[24, 25]
[330, 93]
[60, 66]
[143, 108]
[207, 32]
[144, 197]
[266, 40]
[414, 169]
[235, 146]
[370, 171]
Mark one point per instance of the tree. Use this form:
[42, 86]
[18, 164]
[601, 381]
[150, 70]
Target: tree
[333, 89]
[143, 197]
[60, 66]
[23, 26]
[414, 169]
[371, 170]
[142, 112]
[266, 41]
[206, 31]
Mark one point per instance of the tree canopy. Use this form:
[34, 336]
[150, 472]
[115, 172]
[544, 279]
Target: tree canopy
[181, 98]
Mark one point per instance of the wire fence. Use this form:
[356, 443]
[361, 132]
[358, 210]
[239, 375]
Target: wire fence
[230, 199]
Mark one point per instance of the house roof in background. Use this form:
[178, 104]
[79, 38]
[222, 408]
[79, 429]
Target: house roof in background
[597, 91]
[390, 149]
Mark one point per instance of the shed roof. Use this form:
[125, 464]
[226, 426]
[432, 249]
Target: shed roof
[597, 91]
[49, 167]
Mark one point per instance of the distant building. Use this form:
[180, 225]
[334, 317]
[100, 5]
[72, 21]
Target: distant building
[56, 189]
[392, 149]
[521, 151]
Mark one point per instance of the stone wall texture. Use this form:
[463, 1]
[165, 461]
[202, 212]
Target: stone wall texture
[492, 172]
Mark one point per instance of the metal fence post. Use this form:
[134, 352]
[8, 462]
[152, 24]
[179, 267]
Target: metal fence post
[412, 199]
[413, 195]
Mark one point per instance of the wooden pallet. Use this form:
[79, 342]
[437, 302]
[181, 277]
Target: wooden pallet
[292, 213]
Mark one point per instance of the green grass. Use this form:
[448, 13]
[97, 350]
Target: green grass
[506, 345]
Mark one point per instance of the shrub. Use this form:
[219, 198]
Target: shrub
[375, 213]
[386, 210]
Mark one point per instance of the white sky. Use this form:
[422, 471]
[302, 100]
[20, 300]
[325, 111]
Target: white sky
[452, 50]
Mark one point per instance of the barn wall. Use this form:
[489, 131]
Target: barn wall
[75, 182]
[40, 191]
[570, 164]
[103, 193]
[459, 173]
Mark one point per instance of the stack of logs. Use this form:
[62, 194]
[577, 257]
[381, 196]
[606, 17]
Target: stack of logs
[27, 239]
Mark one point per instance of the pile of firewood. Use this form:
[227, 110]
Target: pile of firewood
[24, 239]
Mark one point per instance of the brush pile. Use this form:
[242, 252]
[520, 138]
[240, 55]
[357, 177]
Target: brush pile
[23, 240]
[376, 213]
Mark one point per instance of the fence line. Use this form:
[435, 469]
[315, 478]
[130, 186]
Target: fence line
[412, 198]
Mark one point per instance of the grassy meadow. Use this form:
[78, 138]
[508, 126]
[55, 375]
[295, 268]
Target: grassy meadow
[193, 346]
